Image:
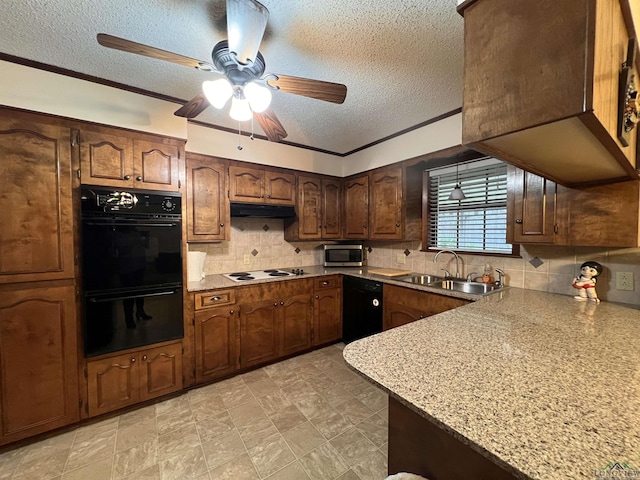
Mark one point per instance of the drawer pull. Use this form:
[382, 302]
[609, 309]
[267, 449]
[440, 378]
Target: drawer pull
[325, 283]
[215, 298]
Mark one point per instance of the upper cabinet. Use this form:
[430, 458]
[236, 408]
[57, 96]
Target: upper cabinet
[207, 199]
[541, 87]
[115, 158]
[260, 185]
[318, 209]
[36, 238]
[383, 204]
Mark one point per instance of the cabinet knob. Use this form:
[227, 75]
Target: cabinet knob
[127, 177]
[325, 283]
[215, 299]
[139, 178]
[144, 358]
[518, 220]
[397, 225]
[133, 360]
[268, 196]
[231, 312]
[281, 303]
[275, 304]
[317, 296]
[222, 224]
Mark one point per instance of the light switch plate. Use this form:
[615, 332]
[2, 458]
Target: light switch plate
[246, 259]
[401, 258]
[624, 281]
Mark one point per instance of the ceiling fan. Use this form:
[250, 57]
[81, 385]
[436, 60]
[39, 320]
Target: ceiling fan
[243, 66]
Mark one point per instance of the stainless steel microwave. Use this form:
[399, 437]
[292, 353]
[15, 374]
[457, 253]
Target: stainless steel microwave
[343, 255]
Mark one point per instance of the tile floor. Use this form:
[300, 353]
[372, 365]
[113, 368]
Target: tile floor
[306, 418]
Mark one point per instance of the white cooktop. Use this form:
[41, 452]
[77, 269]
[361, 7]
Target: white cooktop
[258, 274]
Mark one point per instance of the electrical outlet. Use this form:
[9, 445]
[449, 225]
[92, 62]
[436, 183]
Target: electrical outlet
[401, 258]
[246, 259]
[624, 281]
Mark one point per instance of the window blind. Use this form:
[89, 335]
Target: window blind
[477, 223]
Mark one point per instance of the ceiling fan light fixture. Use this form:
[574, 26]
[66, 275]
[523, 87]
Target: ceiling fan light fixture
[259, 97]
[218, 92]
[246, 22]
[240, 109]
[457, 193]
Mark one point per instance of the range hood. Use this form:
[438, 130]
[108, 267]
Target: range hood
[263, 211]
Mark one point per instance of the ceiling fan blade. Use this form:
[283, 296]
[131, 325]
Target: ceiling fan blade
[327, 91]
[246, 22]
[125, 45]
[271, 125]
[193, 107]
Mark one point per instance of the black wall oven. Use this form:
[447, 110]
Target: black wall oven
[131, 268]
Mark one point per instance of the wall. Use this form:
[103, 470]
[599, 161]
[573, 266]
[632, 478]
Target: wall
[559, 266]
[263, 241]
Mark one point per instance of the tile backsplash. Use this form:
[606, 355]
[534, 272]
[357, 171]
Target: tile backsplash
[541, 267]
[261, 241]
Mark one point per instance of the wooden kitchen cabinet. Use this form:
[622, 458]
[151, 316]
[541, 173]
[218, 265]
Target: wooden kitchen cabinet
[275, 320]
[38, 361]
[36, 238]
[121, 380]
[543, 95]
[356, 207]
[319, 210]
[405, 305]
[533, 213]
[216, 334]
[385, 204]
[327, 310]
[114, 158]
[207, 200]
[256, 185]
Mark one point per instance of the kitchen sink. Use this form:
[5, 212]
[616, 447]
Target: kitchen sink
[466, 287]
[422, 279]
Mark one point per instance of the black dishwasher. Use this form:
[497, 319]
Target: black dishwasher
[361, 308]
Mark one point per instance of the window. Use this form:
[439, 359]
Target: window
[478, 223]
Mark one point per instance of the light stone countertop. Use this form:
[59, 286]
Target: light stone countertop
[544, 385]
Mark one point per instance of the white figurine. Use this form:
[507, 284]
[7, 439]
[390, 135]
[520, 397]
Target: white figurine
[586, 282]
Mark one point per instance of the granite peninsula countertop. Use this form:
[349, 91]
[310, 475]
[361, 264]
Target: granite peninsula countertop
[545, 386]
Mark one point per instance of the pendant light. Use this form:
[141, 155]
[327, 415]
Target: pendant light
[457, 193]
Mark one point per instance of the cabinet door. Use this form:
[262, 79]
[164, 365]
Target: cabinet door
[309, 208]
[331, 211]
[216, 343]
[296, 321]
[356, 207]
[155, 165]
[246, 184]
[106, 159]
[279, 188]
[396, 314]
[207, 201]
[113, 383]
[532, 218]
[259, 331]
[385, 205]
[160, 371]
[327, 316]
[36, 240]
[38, 361]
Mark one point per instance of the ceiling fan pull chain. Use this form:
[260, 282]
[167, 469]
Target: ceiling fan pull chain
[251, 136]
[239, 137]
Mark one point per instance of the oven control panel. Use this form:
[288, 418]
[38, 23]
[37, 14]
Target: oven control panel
[103, 200]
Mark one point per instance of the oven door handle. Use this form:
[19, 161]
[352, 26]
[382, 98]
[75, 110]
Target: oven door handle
[127, 297]
[132, 224]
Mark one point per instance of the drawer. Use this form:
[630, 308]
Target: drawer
[326, 282]
[215, 298]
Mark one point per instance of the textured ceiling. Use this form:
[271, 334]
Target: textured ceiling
[400, 59]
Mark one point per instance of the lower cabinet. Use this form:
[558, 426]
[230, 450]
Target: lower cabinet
[38, 361]
[406, 305]
[275, 320]
[327, 310]
[118, 381]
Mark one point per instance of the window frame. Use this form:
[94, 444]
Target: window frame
[426, 217]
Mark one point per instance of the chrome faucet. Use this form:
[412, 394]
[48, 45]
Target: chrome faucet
[500, 281]
[435, 259]
[470, 276]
